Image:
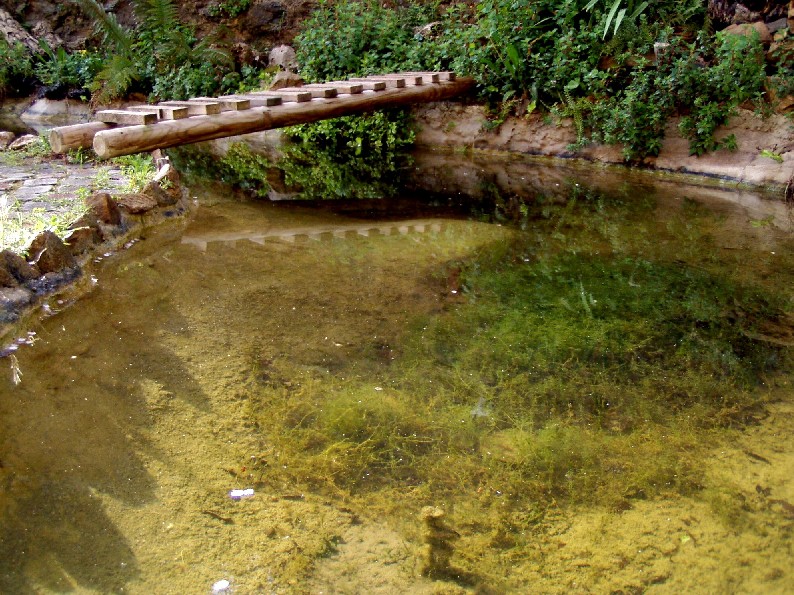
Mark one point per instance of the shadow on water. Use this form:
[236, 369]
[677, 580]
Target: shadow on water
[73, 434]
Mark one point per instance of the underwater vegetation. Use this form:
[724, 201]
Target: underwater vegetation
[350, 157]
[591, 359]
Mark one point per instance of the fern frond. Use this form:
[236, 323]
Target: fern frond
[106, 25]
[205, 51]
[157, 15]
[115, 78]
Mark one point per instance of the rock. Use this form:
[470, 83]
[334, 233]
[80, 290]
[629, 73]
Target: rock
[17, 266]
[14, 33]
[12, 300]
[777, 25]
[285, 78]
[284, 57]
[742, 14]
[49, 253]
[83, 237]
[166, 187]
[104, 208]
[136, 203]
[747, 29]
[23, 141]
[6, 139]
[791, 16]
[54, 280]
[7, 279]
[264, 17]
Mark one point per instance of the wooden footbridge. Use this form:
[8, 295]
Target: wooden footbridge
[142, 128]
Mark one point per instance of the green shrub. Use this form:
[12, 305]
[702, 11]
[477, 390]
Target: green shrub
[76, 70]
[16, 68]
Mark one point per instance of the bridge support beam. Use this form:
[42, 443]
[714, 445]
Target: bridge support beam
[136, 139]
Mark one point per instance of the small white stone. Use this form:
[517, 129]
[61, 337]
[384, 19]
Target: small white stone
[221, 586]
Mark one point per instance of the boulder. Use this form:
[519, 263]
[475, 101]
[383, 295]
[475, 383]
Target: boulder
[6, 138]
[166, 187]
[284, 79]
[284, 57]
[747, 29]
[136, 202]
[13, 32]
[83, 236]
[264, 17]
[12, 300]
[23, 141]
[17, 267]
[50, 254]
[104, 208]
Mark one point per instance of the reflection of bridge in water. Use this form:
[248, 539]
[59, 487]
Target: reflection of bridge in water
[314, 232]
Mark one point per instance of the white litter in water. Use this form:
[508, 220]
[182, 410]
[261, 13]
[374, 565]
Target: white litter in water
[238, 494]
[481, 409]
[221, 586]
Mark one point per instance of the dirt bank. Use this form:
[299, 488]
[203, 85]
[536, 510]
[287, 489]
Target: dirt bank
[458, 125]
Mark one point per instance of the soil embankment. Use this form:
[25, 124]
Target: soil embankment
[764, 154]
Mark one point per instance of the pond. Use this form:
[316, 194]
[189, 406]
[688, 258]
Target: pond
[512, 376]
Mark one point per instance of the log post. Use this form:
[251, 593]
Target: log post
[76, 136]
[164, 134]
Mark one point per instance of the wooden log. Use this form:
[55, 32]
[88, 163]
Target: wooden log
[255, 100]
[126, 117]
[196, 108]
[136, 139]
[398, 82]
[163, 112]
[75, 136]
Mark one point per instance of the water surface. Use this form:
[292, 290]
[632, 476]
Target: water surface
[590, 374]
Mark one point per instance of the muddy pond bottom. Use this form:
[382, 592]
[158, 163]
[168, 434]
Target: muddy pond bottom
[579, 388]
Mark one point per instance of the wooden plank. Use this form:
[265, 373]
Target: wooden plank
[196, 108]
[368, 85]
[428, 77]
[397, 82]
[317, 91]
[435, 77]
[227, 103]
[136, 139]
[342, 87]
[410, 79]
[286, 97]
[163, 112]
[126, 117]
[255, 100]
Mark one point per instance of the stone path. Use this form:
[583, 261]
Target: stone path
[47, 188]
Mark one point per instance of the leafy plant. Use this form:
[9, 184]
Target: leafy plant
[228, 8]
[617, 13]
[16, 68]
[76, 70]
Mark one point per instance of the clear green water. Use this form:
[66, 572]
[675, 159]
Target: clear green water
[589, 374]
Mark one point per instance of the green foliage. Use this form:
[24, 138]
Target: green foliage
[16, 68]
[346, 38]
[348, 157]
[228, 8]
[138, 168]
[617, 13]
[76, 70]
[161, 56]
